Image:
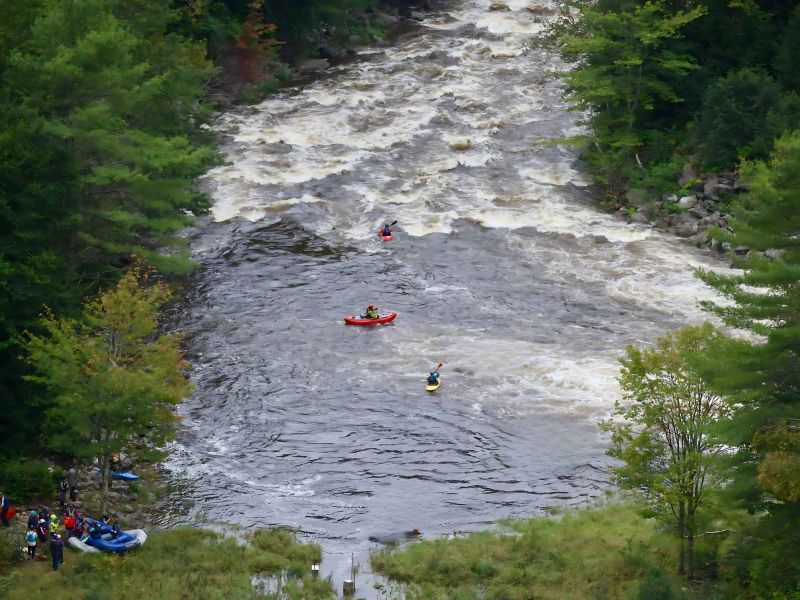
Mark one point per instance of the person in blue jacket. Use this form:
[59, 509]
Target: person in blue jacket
[387, 231]
[433, 378]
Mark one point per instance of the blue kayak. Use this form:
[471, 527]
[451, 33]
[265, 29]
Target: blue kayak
[115, 541]
[124, 475]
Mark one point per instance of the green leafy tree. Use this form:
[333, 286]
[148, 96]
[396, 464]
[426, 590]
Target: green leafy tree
[623, 69]
[662, 430]
[742, 114]
[114, 378]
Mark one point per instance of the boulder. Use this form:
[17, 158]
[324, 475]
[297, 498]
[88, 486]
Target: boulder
[686, 230]
[741, 250]
[313, 64]
[498, 6]
[687, 201]
[688, 173]
[710, 187]
[640, 216]
[773, 253]
[386, 19]
[331, 52]
[698, 212]
[415, 15]
[669, 198]
[461, 145]
[698, 187]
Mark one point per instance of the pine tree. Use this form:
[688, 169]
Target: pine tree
[761, 378]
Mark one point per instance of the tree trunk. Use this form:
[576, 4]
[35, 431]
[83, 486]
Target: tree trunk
[681, 537]
[690, 544]
[106, 477]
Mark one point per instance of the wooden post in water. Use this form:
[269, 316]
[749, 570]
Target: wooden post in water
[349, 585]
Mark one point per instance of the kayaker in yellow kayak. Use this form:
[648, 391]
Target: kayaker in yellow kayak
[433, 378]
[371, 312]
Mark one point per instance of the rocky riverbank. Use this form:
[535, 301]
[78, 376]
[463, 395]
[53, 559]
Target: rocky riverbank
[324, 48]
[700, 201]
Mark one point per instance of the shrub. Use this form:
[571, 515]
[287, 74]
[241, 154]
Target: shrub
[656, 586]
[24, 479]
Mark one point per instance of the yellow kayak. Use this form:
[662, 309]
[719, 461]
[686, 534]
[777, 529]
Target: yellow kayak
[433, 388]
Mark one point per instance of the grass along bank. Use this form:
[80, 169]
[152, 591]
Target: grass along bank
[182, 563]
[606, 552]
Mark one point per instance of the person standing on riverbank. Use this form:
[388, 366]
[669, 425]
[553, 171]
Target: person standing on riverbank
[57, 551]
[72, 479]
[5, 504]
[31, 539]
[63, 487]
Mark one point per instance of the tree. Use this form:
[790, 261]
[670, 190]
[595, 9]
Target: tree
[622, 71]
[762, 377]
[664, 436]
[742, 114]
[114, 378]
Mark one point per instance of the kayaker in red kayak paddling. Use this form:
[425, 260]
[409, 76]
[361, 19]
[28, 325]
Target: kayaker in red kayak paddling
[371, 312]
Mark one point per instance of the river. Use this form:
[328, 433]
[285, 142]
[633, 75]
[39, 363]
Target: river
[501, 267]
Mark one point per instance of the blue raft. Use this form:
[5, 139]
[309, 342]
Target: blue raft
[123, 475]
[119, 541]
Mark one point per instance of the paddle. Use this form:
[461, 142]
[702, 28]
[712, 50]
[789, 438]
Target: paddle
[439, 366]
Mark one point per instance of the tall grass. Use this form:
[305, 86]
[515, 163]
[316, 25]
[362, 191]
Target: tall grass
[186, 563]
[608, 552]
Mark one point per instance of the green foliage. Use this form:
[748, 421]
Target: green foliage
[623, 71]
[596, 553]
[788, 55]
[25, 479]
[180, 563]
[661, 432]
[761, 379]
[741, 116]
[657, 586]
[113, 378]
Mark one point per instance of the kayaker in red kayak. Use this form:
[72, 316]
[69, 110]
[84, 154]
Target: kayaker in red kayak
[371, 312]
[387, 231]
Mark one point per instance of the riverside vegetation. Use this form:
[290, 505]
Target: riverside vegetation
[102, 136]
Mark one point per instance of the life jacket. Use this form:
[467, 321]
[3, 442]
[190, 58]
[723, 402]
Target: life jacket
[63, 486]
[69, 521]
[31, 538]
[433, 378]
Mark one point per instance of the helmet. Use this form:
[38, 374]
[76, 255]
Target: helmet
[55, 536]
[54, 517]
[371, 306]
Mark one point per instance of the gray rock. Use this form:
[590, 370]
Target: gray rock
[669, 198]
[687, 201]
[773, 253]
[688, 173]
[386, 19]
[640, 216]
[313, 64]
[710, 187]
[686, 230]
[415, 15]
[700, 239]
[698, 187]
[698, 212]
[741, 250]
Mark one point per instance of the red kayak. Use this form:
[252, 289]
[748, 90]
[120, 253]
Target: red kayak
[386, 238]
[379, 321]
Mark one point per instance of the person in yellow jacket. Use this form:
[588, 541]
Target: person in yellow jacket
[53, 524]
